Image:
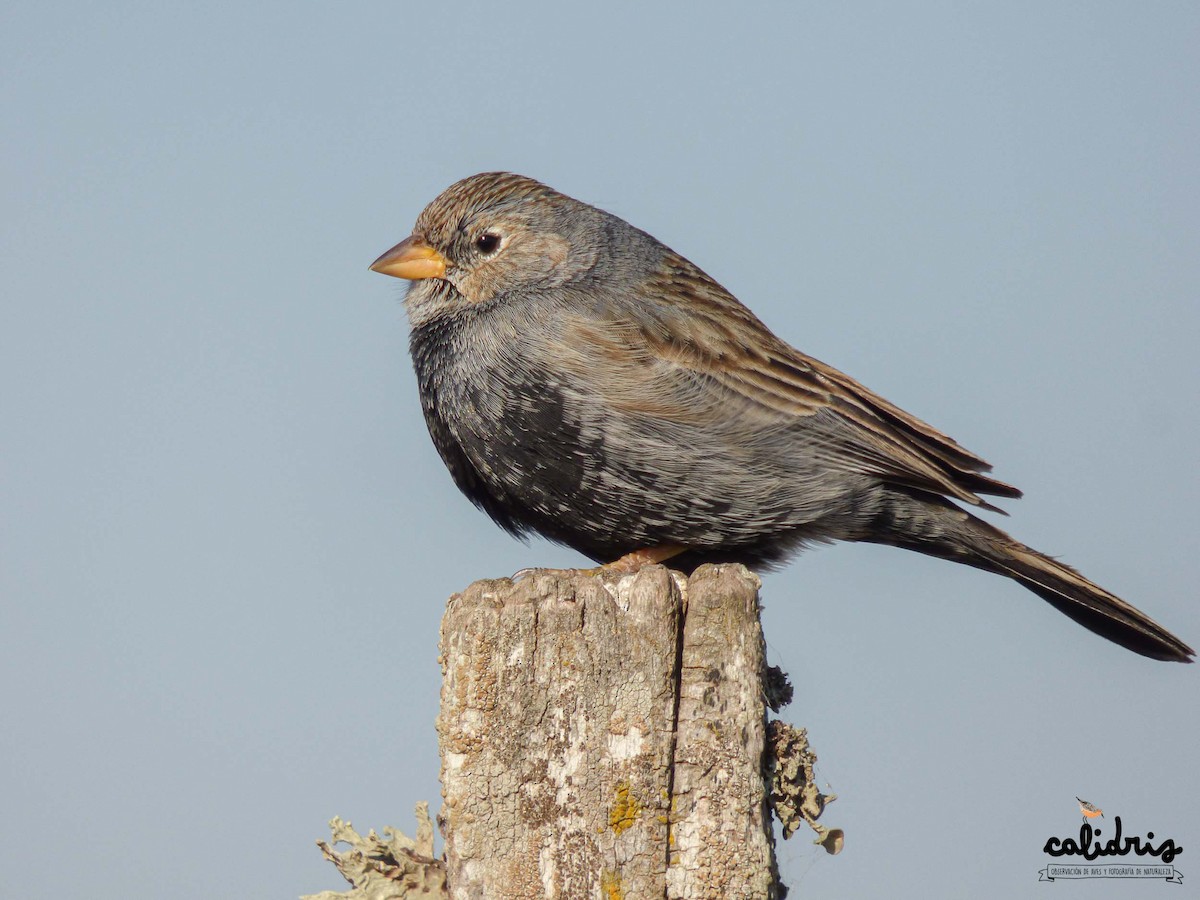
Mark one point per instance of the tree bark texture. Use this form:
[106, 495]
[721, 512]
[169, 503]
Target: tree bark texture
[602, 736]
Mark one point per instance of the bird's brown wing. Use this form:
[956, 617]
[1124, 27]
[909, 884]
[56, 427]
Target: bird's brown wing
[697, 336]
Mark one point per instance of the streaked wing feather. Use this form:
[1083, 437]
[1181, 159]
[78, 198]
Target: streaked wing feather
[699, 329]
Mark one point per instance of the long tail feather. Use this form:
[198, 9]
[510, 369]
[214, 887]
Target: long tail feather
[1092, 606]
[936, 527]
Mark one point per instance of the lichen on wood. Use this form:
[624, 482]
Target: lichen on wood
[795, 797]
[392, 867]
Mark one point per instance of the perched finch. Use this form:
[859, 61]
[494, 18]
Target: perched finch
[585, 382]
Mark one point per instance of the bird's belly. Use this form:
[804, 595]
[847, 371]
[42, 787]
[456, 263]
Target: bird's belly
[555, 462]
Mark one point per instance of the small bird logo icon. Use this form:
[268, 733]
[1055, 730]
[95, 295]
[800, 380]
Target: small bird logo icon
[1089, 810]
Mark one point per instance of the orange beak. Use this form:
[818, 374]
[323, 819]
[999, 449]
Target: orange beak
[413, 259]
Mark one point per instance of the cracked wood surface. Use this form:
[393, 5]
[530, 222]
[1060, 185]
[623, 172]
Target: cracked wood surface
[602, 736]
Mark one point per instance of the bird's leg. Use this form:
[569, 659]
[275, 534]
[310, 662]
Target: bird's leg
[646, 556]
[626, 565]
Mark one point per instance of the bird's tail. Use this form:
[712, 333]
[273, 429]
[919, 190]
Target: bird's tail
[936, 527]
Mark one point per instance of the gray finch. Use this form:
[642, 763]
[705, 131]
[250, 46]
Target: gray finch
[585, 382]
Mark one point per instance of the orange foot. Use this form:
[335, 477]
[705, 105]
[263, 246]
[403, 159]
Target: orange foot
[627, 564]
[638, 559]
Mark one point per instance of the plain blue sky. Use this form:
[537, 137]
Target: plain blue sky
[226, 540]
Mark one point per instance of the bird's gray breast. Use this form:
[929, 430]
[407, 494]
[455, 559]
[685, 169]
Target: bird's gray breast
[503, 419]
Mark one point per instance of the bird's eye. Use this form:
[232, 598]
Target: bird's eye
[487, 243]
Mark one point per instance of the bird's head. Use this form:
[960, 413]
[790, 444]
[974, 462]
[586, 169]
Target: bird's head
[490, 235]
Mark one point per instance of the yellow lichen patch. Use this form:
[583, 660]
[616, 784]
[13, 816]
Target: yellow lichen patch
[610, 886]
[625, 809]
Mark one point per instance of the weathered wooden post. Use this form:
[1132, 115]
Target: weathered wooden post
[602, 735]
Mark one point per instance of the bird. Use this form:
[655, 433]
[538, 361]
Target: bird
[583, 381]
[1089, 810]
